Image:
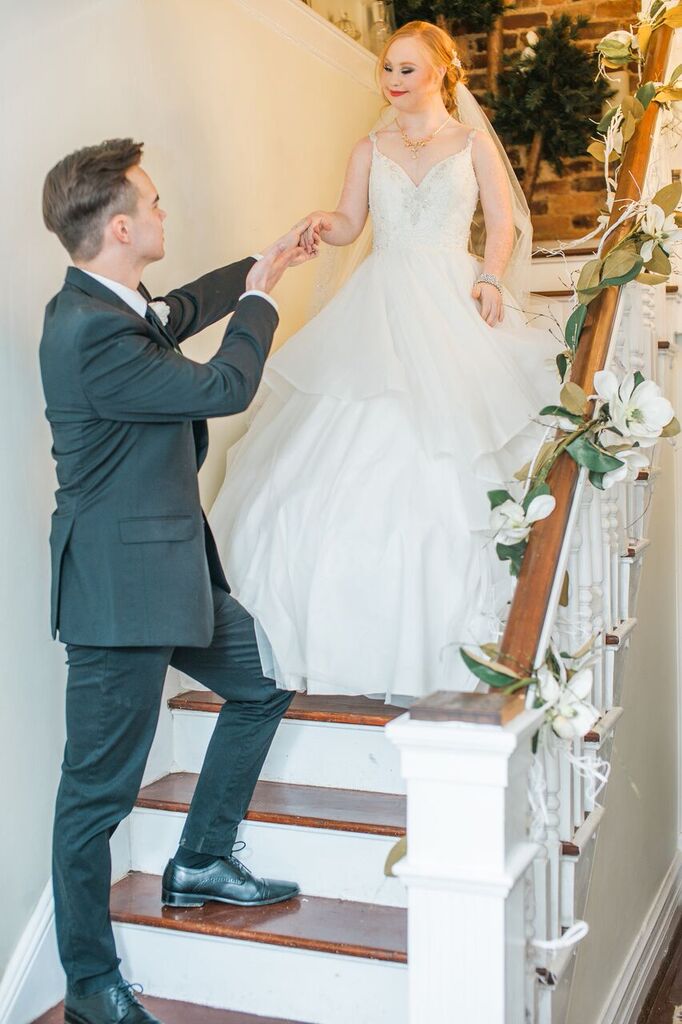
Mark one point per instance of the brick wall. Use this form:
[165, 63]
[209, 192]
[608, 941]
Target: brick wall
[562, 207]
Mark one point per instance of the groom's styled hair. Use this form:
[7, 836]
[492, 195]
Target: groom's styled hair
[85, 189]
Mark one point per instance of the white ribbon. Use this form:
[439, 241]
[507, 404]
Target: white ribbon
[595, 771]
[571, 937]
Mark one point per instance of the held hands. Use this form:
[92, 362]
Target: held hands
[319, 222]
[491, 308]
[287, 251]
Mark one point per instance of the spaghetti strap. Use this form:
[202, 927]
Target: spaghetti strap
[471, 136]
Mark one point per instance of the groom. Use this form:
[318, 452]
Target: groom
[137, 584]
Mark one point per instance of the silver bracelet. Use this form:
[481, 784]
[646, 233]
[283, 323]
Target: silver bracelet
[490, 279]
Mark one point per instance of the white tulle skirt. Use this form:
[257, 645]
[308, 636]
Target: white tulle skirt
[353, 518]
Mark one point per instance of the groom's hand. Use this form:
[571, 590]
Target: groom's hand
[285, 252]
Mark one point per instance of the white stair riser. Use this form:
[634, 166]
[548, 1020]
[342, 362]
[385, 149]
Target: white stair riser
[340, 865]
[317, 988]
[304, 753]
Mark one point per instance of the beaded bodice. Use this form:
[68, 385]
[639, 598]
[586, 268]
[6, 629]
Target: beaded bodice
[436, 213]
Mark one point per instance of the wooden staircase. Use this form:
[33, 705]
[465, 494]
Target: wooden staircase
[334, 954]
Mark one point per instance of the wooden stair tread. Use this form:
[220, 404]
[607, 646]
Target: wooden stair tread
[306, 922]
[344, 810]
[172, 1012]
[341, 710]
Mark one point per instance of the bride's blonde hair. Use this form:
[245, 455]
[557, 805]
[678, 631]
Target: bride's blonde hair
[441, 49]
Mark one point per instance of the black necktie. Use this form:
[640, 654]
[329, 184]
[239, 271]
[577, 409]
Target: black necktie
[152, 318]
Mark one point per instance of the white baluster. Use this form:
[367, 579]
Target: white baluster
[597, 591]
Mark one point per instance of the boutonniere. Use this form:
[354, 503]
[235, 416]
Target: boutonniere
[161, 310]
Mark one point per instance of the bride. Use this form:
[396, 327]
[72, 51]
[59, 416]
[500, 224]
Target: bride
[353, 518]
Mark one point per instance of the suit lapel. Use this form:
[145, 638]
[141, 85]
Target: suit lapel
[85, 283]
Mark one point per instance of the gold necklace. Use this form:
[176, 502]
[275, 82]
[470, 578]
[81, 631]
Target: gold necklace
[418, 144]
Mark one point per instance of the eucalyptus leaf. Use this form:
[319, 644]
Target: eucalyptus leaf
[638, 378]
[646, 93]
[620, 262]
[397, 852]
[597, 150]
[668, 96]
[562, 360]
[498, 676]
[574, 326]
[632, 106]
[535, 492]
[630, 275]
[643, 37]
[603, 125]
[597, 480]
[673, 17]
[651, 279]
[492, 650]
[559, 410]
[512, 553]
[659, 263]
[589, 276]
[585, 453]
[573, 398]
[628, 128]
[498, 497]
[672, 428]
[668, 197]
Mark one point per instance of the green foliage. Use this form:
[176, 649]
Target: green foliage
[554, 91]
[461, 15]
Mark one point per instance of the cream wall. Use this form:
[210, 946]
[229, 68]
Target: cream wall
[638, 838]
[246, 130]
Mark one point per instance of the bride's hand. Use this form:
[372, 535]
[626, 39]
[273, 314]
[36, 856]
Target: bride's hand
[319, 222]
[491, 308]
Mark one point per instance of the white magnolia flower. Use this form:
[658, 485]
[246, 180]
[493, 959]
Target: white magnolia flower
[640, 412]
[510, 524]
[162, 310]
[633, 461]
[570, 712]
[660, 228]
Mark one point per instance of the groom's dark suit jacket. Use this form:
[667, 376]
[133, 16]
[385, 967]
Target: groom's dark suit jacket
[133, 559]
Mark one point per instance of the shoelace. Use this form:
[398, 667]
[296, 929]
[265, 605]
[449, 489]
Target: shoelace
[128, 993]
[239, 846]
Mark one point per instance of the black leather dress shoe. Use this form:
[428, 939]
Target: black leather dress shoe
[113, 1005]
[225, 880]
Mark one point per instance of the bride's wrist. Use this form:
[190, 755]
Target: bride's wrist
[488, 278]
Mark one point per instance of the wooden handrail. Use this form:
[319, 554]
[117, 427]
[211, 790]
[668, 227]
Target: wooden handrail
[541, 560]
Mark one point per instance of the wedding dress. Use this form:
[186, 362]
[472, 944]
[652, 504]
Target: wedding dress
[353, 520]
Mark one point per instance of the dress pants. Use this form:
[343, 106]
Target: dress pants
[113, 698]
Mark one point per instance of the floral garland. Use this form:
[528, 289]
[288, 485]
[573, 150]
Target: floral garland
[606, 433]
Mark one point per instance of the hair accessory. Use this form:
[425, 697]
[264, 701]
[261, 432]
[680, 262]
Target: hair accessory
[456, 61]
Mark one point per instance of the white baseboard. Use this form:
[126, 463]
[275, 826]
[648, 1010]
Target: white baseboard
[34, 979]
[648, 950]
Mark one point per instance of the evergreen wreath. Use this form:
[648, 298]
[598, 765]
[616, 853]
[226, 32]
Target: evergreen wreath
[460, 15]
[549, 97]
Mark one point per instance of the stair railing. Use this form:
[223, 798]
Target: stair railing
[494, 905]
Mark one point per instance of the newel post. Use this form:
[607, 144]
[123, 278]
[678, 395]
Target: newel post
[465, 759]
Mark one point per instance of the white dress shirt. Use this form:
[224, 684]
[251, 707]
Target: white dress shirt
[137, 301]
